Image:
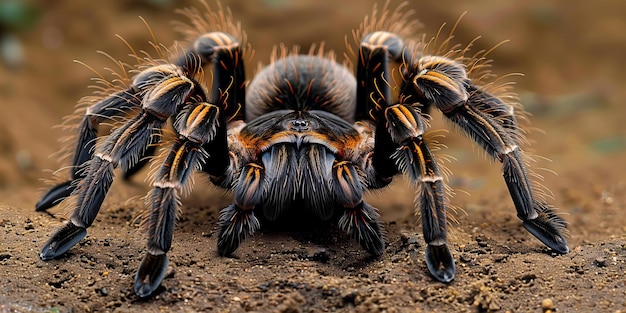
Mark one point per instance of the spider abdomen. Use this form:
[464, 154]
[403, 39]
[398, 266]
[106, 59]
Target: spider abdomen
[302, 83]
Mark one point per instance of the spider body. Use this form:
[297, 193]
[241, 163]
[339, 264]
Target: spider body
[308, 135]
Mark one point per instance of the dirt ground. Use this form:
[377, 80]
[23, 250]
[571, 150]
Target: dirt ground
[571, 54]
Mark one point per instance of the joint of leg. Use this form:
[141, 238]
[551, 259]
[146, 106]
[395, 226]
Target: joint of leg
[431, 179]
[76, 221]
[156, 251]
[441, 81]
[529, 217]
[384, 40]
[200, 124]
[104, 157]
[509, 149]
[163, 100]
[207, 44]
[437, 242]
[91, 118]
[403, 122]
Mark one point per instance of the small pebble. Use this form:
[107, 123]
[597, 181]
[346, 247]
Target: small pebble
[104, 292]
[29, 225]
[547, 304]
[409, 239]
[319, 254]
[466, 258]
[600, 261]
[481, 241]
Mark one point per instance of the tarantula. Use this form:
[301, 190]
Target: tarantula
[307, 135]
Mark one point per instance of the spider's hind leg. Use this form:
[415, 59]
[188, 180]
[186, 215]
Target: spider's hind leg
[493, 126]
[483, 116]
[115, 105]
[123, 147]
[537, 216]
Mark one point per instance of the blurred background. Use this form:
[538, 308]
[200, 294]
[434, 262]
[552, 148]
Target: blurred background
[571, 54]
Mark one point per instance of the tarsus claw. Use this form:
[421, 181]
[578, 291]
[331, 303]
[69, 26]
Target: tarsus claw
[65, 238]
[150, 274]
[440, 263]
[548, 228]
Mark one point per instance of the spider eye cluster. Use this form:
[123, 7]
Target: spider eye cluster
[299, 125]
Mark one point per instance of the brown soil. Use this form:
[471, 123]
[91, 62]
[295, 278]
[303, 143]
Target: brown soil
[572, 55]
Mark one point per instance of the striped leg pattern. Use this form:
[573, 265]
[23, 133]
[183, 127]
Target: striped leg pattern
[491, 123]
[400, 146]
[201, 146]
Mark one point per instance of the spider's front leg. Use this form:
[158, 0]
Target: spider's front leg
[197, 125]
[400, 146]
[201, 145]
[118, 104]
[492, 124]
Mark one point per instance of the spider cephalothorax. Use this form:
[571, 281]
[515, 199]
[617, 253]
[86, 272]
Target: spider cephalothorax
[308, 135]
